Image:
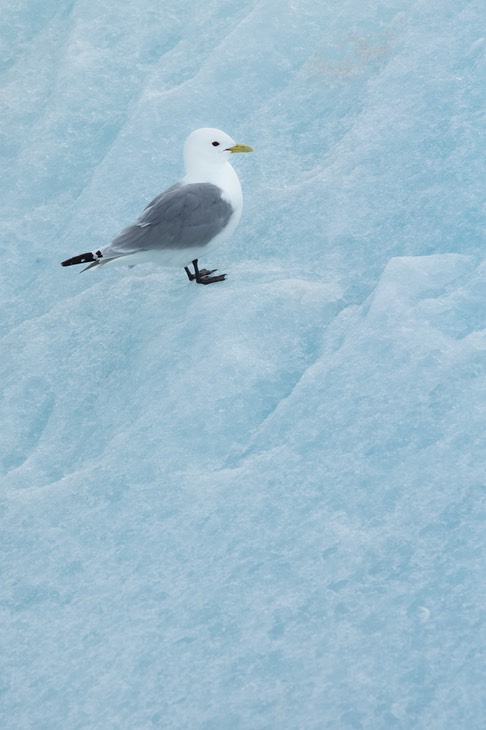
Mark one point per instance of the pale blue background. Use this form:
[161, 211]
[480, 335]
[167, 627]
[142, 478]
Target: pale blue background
[258, 505]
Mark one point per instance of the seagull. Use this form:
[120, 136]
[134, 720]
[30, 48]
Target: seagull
[192, 217]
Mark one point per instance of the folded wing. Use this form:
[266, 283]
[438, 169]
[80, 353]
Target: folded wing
[184, 216]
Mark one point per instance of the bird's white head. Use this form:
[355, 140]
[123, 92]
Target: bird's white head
[207, 148]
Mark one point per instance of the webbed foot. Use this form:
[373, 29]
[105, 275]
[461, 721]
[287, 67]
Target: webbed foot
[203, 276]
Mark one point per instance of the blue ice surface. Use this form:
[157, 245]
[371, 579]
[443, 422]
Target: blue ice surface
[258, 505]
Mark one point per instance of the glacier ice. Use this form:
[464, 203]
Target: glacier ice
[260, 505]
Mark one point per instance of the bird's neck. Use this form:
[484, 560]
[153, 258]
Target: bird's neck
[221, 175]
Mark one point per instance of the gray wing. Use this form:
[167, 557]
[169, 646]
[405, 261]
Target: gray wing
[184, 216]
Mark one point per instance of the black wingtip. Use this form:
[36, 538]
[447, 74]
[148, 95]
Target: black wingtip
[83, 258]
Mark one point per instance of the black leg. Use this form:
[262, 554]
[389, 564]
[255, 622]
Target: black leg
[203, 276]
[190, 276]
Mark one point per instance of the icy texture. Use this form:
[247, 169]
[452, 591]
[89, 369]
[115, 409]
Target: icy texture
[258, 505]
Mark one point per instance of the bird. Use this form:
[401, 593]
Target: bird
[189, 219]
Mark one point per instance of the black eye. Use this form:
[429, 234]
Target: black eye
[215, 144]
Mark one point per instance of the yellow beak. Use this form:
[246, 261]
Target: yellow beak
[240, 148]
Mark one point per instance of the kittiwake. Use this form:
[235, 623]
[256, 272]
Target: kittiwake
[192, 217]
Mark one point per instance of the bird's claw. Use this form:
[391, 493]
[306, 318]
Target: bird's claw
[203, 276]
[205, 279]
